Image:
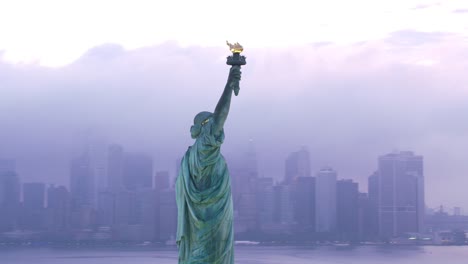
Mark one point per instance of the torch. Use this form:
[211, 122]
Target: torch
[235, 60]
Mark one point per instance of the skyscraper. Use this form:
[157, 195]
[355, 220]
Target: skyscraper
[297, 165]
[107, 196]
[326, 200]
[162, 183]
[347, 209]
[304, 203]
[137, 171]
[33, 195]
[367, 230]
[96, 152]
[167, 215]
[146, 204]
[400, 194]
[9, 195]
[82, 192]
[161, 180]
[125, 208]
[7, 165]
[265, 200]
[33, 213]
[58, 206]
[244, 176]
[82, 183]
[373, 197]
[284, 207]
[115, 161]
[106, 208]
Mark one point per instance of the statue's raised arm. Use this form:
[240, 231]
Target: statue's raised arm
[222, 108]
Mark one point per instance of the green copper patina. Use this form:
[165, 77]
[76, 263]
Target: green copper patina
[203, 188]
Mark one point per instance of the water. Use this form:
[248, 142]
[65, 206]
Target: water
[244, 255]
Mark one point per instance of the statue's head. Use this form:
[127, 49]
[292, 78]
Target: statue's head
[198, 122]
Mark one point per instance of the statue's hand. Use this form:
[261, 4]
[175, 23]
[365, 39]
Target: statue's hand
[234, 78]
[235, 73]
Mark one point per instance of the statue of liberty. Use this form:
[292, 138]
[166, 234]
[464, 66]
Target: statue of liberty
[203, 187]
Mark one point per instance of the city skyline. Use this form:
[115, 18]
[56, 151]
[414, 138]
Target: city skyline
[303, 164]
[132, 201]
[240, 166]
[237, 160]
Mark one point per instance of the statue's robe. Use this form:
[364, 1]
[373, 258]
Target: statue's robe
[204, 201]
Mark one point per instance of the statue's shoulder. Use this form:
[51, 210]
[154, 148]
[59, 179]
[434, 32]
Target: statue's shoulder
[187, 154]
[188, 150]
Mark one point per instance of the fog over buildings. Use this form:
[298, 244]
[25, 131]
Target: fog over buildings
[347, 103]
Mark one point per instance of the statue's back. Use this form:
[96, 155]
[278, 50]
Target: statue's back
[204, 200]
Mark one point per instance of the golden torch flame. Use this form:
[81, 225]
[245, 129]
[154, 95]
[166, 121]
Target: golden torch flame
[235, 48]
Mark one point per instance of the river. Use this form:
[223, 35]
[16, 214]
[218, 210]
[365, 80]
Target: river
[244, 255]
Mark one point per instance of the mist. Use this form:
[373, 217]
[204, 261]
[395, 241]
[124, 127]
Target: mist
[347, 103]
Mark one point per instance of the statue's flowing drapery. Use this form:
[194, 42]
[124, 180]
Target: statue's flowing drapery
[204, 202]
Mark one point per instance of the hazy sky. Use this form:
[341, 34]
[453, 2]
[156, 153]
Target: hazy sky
[57, 32]
[351, 80]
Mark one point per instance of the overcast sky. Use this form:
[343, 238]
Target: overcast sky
[351, 81]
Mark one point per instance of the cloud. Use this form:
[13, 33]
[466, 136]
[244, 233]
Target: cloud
[415, 38]
[104, 52]
[460, 11]
[425, 6]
